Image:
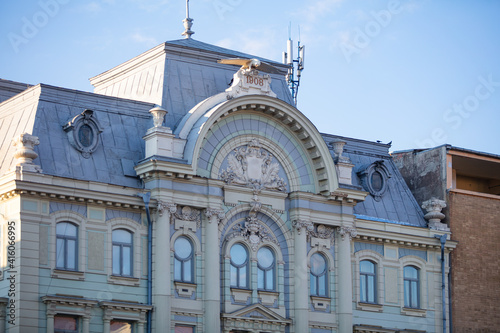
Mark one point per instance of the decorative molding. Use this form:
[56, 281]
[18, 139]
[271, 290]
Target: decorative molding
[254, 232]
[25, 153]
[252, 166]
[322, 236]
[219, 213]
[366, 175]
[83, 132]
[248, 81]
[300, 225]
[347, 231]
[172, 208]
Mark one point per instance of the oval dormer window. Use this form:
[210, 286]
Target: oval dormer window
[377, 181]
[86, 135]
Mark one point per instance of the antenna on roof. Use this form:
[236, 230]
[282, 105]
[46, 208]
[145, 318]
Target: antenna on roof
[188, 23]
[295, 65]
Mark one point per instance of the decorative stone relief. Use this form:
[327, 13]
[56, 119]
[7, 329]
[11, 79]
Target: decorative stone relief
[209, 212]
[248, 81]
[300, 225]
[83, 132]
[374, 179]
[253, 231]
[25, 153]
[253, 167]
[347, 231]
[187, 218]
[434, 215]
[162, 206]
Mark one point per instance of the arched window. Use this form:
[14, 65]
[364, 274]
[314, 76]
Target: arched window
[239, 266]
[122, 252]
[67, 246]
[411, 285]
[367, 281]
[183, 262]
[266, 264]
[319, 280]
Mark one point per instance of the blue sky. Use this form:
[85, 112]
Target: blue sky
[419, 73]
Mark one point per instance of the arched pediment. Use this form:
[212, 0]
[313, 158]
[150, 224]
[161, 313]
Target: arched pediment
[213, 129]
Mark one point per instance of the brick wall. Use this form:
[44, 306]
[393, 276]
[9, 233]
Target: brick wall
[475, 224]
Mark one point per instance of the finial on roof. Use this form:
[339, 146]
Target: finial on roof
[188, 23]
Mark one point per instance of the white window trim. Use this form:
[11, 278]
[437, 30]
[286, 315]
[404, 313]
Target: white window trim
[378, 259]
[418, 262]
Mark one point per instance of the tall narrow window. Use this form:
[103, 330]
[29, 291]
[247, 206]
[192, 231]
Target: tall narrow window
[239, 266]
[66, 248]
[367, 281]
[265, 269]
[319, 269]
[122, 252]
[411, 285]
[183, 262]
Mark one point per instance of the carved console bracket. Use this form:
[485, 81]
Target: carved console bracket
[347, 231]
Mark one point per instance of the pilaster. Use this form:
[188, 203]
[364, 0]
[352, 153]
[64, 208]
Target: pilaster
[162, 271]
[344, 238]
[301, 292]
[212, 270]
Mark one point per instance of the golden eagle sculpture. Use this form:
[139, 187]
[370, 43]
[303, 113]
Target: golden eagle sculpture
[250, 64]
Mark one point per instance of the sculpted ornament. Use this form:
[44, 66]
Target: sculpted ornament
[254, 232]
[172, 208]
[303, 225]
[347, 231]
[322, 231]
[253, 167]
[209, 212]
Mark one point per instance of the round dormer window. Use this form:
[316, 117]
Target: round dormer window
[374, 178]
[86, 135]
[83, 132]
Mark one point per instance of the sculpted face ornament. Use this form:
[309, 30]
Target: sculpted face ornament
[253, 167]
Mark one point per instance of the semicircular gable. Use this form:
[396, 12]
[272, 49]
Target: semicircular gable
[282, 129]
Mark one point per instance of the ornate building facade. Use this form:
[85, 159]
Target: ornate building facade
[168, 201]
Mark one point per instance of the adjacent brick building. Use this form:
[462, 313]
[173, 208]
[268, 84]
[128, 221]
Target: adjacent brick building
[469, 181]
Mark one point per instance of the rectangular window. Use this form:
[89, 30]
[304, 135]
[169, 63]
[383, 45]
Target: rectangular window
[411, 287]
[122, 252]
[65, 324]
[184, 329]
[121, 326]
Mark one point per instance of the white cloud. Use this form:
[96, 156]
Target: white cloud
[92, 7]
[261, 42]
[319, 9]
[150, 5]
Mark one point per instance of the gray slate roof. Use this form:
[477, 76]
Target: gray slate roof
[42, 110]
[397, 205]
[9, 89]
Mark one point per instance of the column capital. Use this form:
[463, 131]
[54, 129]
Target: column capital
[162, 206]
[347, 231]
[300, 225]
[212, 212]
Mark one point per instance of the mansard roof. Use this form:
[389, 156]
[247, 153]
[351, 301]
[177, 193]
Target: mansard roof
[177, 75]
[397, 204]
[43, 110]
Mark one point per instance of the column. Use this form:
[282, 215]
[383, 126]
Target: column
[50, 322]
[140, 327]
[344, 238]
[106, 327]
[301, 292]
[212, 270]
[86, 323]
[161, 267]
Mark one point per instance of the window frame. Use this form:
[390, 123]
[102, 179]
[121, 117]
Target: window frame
[121, 246]
[366, 284]
[183, 262]
[246, 264]
[411, 281]
[317, 277]
[65, 250]
[269, 270]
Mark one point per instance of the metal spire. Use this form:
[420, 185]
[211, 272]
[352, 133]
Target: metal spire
[188, 23]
